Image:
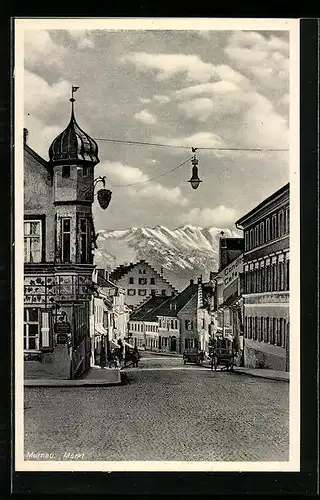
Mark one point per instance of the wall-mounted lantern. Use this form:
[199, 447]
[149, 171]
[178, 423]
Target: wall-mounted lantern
[103, 195]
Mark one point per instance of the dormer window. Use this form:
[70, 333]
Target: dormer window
[66, 171]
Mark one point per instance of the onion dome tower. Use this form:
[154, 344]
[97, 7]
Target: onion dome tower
[73, 145]
[73, 156]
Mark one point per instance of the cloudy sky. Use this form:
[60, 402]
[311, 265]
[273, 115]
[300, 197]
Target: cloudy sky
[207, 89]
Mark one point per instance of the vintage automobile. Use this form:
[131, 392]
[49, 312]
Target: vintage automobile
[223, 357]
[193, 356]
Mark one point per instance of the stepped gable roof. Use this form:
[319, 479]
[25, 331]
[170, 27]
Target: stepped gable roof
[147, 311]
[175, 304]
[122, 270]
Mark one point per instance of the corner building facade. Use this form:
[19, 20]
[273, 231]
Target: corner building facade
[266, 282]
[58, 254]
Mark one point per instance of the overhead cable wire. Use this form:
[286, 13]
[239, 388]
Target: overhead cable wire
[141, 143]
[152, 178]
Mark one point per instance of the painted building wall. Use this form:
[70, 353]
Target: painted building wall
[188, 324]
[141, 281]
[49, 284]
[169, 334]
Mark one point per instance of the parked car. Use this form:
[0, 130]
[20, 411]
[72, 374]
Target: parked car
[193, 356]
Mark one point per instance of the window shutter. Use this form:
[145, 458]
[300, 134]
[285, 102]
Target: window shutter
[45, 329]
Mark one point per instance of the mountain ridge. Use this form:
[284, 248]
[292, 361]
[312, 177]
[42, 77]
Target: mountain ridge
[184, 252]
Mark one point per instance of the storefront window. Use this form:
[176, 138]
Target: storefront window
[31, 332]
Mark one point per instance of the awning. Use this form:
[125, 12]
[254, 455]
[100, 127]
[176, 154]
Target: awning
[100, 330]
[128, 345]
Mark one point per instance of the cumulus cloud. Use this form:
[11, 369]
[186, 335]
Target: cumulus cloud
[162, 99]
[220, 216]
[146, 117]
[262, 126]
[145, 100]
[40, 95]
[200, 109]
[264, 58]
[82, 38]
[211, 88]
[40, 135]
[200, 140]
[125, 175]
[40, 48]
[169, 65]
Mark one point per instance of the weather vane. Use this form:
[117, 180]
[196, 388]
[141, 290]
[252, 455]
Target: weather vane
[73, 90]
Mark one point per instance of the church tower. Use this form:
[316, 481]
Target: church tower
[73, 156]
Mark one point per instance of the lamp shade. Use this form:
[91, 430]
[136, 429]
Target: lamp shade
[194, 180]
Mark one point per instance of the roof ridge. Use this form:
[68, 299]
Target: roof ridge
[33, 153]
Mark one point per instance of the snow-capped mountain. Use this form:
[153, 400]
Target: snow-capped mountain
[184, 253]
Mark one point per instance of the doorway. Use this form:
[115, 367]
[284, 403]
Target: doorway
[173, 346]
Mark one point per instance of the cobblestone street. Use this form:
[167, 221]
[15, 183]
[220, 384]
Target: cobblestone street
[166, 411]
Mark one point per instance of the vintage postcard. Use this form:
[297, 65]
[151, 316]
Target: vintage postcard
[157, 244]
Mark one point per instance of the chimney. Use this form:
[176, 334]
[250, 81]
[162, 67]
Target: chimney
[191, 282]
[107, 274]
[161, 272]
[212, 275]
[25, 135]
[200, 279]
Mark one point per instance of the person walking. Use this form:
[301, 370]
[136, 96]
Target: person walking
[110, 358]
[135, 357]
[103, 360]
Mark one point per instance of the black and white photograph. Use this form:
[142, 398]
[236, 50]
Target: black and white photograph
[157, 244]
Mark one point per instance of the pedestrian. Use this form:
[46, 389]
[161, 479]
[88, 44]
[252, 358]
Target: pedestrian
[103, 360]
[135, 357]
[110, 358]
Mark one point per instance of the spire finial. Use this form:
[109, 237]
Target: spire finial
[72, 99]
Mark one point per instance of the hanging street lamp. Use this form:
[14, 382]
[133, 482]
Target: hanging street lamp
[194, 180]
[103, 195]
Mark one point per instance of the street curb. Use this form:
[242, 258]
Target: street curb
[165, 354]
[250, 374]
[73, 383]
